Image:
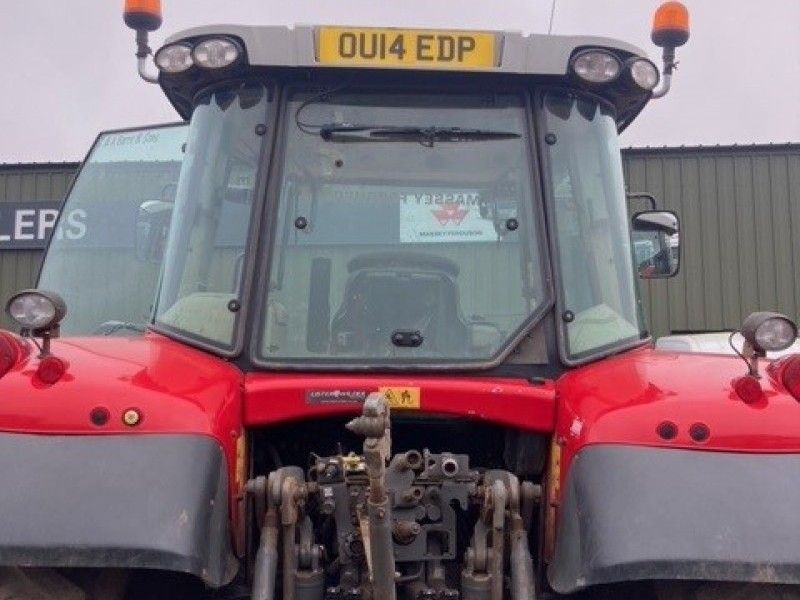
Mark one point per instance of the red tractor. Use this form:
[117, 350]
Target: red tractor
[366, 325]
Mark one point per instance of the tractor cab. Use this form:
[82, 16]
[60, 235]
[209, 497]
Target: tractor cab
[372, 199]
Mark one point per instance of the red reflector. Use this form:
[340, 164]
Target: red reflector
[791, 376]
[9, 353]
[51, 369]
[748, 388]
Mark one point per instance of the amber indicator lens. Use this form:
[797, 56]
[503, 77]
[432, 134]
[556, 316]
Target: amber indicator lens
[132, 417]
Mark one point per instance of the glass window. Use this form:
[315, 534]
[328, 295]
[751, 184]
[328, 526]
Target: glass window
[205, 253]
[404, 229]
[592, 232]
[94, 260]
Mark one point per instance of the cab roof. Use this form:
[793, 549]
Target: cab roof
[523, 54]
[516, 55]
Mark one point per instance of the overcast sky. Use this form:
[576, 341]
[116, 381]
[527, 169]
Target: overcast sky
[70, 72]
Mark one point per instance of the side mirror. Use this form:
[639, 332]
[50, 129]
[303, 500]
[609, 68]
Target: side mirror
[656, 243]
[152, 226]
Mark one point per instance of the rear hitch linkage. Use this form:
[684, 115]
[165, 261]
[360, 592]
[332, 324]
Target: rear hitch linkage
[369, 526]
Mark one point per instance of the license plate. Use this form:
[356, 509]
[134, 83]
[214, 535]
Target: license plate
[406, 48]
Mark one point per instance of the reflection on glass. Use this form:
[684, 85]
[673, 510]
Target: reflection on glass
[92, 260]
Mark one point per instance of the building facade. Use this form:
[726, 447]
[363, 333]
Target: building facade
[739, 208]
[740, 232]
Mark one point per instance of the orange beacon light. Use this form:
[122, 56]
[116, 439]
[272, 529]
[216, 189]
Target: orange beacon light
[670, 30]
[670, 25]
[143, 15]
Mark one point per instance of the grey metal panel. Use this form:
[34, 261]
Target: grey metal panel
[48, 519]
[782, 234]
[793, 182]
[27, 183]
[728, 241]
[709, 222]
[740, 214]
[534, 54]
[687, 514]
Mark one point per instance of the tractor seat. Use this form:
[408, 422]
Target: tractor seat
[388, 292]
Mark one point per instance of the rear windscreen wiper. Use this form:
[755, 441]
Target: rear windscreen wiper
[114, 327]
[424, 135]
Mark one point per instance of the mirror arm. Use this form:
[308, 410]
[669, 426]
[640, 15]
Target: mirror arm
[643, 196]
[666, 75]
[143, 51]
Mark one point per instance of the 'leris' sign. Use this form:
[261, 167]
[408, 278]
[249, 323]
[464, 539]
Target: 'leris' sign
[29, 225]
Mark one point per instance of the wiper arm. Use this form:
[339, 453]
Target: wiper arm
[113, 327]
[336, 132]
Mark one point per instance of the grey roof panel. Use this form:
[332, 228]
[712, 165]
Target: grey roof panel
[533, 54]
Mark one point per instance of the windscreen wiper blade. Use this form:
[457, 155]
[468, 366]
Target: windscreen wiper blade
[425, 135]
[113, 327]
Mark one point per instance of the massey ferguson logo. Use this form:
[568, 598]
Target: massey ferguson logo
[443, 216]
[450, 213]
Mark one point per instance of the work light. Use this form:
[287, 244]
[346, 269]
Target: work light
[36, 310]
[216, 53]
[642, 73]
[174, 58]
[769, 332]
[596, 66]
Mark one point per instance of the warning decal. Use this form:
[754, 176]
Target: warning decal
[400, 398]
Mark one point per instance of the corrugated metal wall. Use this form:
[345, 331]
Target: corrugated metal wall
[27, 183]
[740, 214]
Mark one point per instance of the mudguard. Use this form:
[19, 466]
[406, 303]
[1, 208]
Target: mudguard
[635, 513]
[140, 502]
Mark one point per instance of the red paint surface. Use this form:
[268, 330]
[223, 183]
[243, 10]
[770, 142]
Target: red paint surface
[623, 399]
[280, 398]
[786, 372]
[178, 390]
